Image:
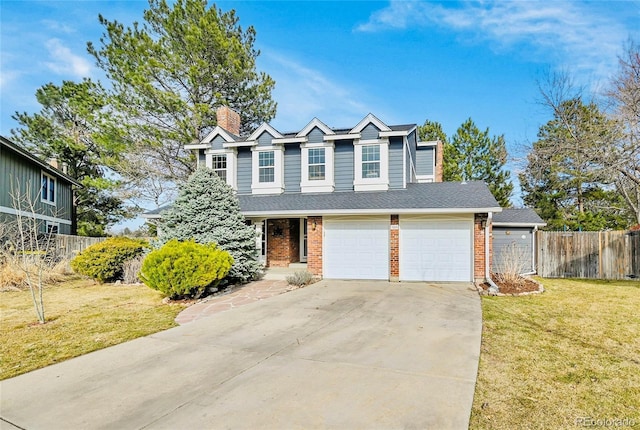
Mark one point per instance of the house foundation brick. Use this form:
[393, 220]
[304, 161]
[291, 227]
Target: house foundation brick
[314, 245]
[394, 247]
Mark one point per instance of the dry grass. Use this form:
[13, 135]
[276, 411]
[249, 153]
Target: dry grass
[549, 360]
[81, 317]
[13, 276]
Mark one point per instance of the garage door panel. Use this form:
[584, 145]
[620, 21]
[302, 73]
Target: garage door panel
[356, 249]
[435, 250]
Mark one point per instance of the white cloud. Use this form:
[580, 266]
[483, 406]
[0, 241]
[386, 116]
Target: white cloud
[576, 36]
[303, 93]
[66, 62]
[58, 26]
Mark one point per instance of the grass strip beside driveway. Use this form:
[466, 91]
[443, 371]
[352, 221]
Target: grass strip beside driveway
[568, 358]
[81, 317]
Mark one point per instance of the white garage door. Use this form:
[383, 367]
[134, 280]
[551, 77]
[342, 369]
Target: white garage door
[436, 250]
[356, 248]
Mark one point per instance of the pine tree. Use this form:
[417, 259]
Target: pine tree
[473, 155]
[207, 211]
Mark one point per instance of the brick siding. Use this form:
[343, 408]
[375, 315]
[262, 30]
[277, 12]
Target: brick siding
[283, 242]
[479, 247]
[314, 245]
[394, 254]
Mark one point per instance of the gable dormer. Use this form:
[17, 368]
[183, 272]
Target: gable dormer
[371, 155]
[316, 158]
[267, 160]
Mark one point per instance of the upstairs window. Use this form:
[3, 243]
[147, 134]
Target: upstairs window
[371, 161]
[266, 167]
[48, 192]
[219, 165]
[316, 164]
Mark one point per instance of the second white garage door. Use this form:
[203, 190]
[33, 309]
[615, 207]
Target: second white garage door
[356, 248]
[436, 249]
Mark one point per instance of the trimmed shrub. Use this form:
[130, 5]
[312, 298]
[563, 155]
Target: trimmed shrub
[104, 261]
[180, 269]
[300, 278]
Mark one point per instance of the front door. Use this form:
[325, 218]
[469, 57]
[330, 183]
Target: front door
[303, 240]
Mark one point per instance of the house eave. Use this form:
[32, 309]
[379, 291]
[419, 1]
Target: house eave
[519, 224]
[338, 212]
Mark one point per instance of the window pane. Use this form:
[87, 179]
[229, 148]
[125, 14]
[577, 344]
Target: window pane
[371, 170]
[266, 159]
[267, 174]
[219, 165]
[371, 153]
[316, 173]
[52, 190]
[44, 188]
[316, 156]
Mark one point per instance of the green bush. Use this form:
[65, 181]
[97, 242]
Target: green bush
[104, 261]
[180, 269]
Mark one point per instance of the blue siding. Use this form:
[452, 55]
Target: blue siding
[265, 139]
[424, 160]
[370, 132]
[218, 142]
[505, 236]
[395, 163]
[343, 165]
[244, 170]
[292, 168]
[315, 136]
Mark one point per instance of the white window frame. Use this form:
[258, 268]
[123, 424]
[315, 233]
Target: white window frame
[317, 185]
[49, 179]
[371, 184]
[232, 164]
[275, 187]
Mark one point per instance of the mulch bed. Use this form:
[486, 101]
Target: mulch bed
[522, 286]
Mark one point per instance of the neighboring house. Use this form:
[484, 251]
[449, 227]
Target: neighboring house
[365, 202]
[49, 188]
[514, 240]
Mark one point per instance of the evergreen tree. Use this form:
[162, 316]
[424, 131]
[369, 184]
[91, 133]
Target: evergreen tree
[432, 130]
[566, 178]
[473, 155]
[208, 211]
[168, 77]
[68, 128]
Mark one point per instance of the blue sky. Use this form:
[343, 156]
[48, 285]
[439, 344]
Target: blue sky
[404, 61]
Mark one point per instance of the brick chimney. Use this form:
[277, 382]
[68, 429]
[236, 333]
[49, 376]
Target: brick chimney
[439, 158]
[228, 119]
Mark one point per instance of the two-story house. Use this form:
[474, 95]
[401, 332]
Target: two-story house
[49, 190]
[365, 202]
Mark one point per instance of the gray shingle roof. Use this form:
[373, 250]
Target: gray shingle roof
[525, 216]
[436, 197]
[416, 198]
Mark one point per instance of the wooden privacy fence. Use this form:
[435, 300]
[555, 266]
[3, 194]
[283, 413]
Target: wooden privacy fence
[588, 254]
[67, 247]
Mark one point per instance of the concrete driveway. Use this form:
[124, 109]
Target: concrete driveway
[337, 354]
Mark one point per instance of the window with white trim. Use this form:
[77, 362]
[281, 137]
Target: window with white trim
[266, 167]
[219, 165]
[53, 227]
[48, 190]
[317, 164]
[371, 161]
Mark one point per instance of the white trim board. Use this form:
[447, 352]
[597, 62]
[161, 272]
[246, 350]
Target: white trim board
[12, 211]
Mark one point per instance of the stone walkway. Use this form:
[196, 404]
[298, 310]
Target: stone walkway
[249, 293]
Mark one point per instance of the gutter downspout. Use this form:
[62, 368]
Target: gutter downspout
[493, 288]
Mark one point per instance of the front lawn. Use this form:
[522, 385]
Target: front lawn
[82, 316]
[568, 358]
